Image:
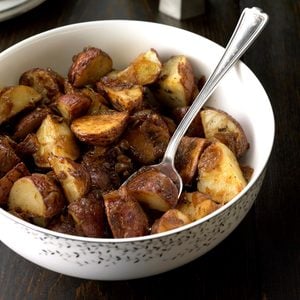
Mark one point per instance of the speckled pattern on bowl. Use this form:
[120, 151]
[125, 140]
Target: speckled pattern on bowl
[239, 94]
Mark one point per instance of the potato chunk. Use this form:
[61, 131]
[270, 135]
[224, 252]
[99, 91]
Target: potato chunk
[176, 83]
[37, 196]
[154, 189]
[89, 66]
[46, 82]
[171, 219]
[8, 157]
[8, 180]
[218, 124]
[148, 136]
[125, 216]
[88, 214]
[75, 180]
[55, 137]
[144, 70]
[30, 122]
[101, 129]
[72, 106]
[187, 157]
[123, 96]
[14, 99]
[220, 175]
[196, 205]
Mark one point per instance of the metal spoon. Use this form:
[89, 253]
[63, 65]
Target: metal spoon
[249, 26]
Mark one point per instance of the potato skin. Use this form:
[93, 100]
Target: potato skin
[89, 66]
[148, 136]
[63, 224]
[125, 216]
[30, 122]
[88, 214]
[28, 146]
[154, 189]
[8, 157]
[72, 106]
[187, 157]
[7, 181]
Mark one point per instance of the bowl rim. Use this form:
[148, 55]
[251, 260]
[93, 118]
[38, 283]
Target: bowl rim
[243, 67]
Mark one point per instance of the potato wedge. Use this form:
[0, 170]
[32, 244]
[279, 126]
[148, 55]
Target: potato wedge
[14, 99]
[8, 157]
[144, 70]
[154, 189]
[123, 96]
[37, 196]
[89, 66]
[74, 178]
[72, 106]
[28, 146]
[175, 85]
[196, 205]
[101, 129]
[88, 214]
[220, 175]
[220, 125]
[125, 216]
[148, 136]
[171, 219]
[45, 81]
[187, 157]
[6, 182]
[55, 137]
[30, 122]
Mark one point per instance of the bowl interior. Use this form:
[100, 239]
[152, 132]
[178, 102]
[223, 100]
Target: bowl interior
[239, 93]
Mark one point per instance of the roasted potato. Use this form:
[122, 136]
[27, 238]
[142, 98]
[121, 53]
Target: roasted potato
[72, 106]
[55, 137]
[74, 178]
[28, 146]
[144, 70]
[30, 122]
[98, 104]
[175, 85]
[187, 157]
[37, 196]
[122, 96]
[196, 128]
[45, 81]
[14, 99]
[125, 216]
[7, 181]
[8, 157]
[171, 219]
[148, 136]
[220, 125]
[220, 175]
[196, 205]
[63, 224]
[88, 214]
[89, 66]
[102, 129]
[154, 189]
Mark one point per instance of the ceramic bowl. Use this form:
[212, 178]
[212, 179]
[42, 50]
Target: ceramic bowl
[240, 94]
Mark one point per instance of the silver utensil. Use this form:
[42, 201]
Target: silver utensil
[249, 26]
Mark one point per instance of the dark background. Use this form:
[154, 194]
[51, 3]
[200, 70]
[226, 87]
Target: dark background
[261, 258]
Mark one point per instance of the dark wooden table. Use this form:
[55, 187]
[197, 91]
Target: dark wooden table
[261, 258]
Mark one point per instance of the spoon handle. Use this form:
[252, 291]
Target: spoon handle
[249, 26]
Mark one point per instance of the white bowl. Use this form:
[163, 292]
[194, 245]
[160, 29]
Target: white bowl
[240, 94]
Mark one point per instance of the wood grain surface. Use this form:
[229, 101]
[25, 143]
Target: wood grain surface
[261, 258]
